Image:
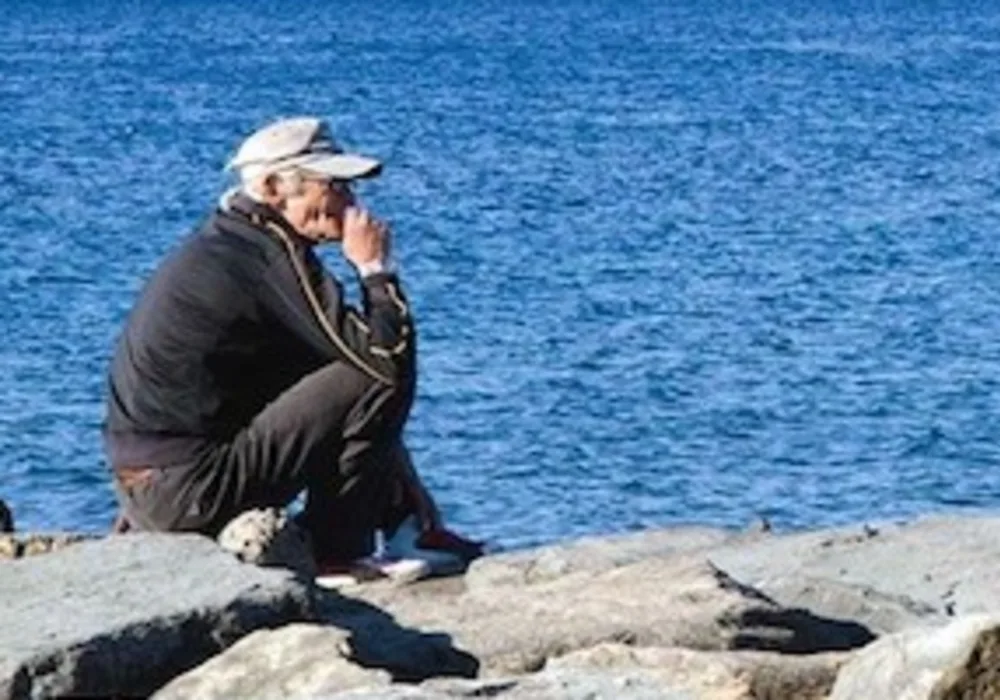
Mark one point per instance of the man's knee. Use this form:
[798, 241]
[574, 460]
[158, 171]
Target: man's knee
[377, 408]
[330, 391]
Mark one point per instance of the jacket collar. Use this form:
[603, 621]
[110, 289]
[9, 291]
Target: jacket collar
[258, 214]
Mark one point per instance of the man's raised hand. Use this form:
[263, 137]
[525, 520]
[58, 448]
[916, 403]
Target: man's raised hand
[365, 238]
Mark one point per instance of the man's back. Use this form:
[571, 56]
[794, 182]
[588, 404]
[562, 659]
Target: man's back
[200, 353]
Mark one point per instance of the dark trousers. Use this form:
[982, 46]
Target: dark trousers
[337, 434]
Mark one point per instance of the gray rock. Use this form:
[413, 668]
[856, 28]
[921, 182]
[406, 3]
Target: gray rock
[589, 554]
[296, 661]
[574, 684]
[398, 692]
[933, 567]
[124, 615]
[713, 675]
[882, 613]
[268, 537]
[959, 660]
[675, 601]
[378, 641]
[361, 647]
[742, 674]
[582, 684]
[616, 671]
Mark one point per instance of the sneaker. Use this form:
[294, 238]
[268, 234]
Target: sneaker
[371, 568]
[442, 539]
[443, 551]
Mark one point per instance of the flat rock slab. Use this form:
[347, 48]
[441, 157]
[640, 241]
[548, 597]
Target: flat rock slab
[742, 675]
[619, 672]
[296, 661]
[590, 554]
[929, 569]
[124, 615]
[575, 684]
[676, 601]
[361, 647]
[882, 613]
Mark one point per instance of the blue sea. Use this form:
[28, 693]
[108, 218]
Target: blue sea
[672, 262]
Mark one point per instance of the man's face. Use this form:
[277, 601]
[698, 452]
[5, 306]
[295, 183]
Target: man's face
[317, 209]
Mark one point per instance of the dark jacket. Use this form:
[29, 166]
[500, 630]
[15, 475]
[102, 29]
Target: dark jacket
[237, 314]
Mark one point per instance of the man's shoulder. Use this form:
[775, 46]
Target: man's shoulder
[224, 232]
[219, 255]
[223, 243]
[206, 254]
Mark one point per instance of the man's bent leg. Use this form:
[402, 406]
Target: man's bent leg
[342, 513]
[293, 444]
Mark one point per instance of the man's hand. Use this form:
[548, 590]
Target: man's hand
[365, 238]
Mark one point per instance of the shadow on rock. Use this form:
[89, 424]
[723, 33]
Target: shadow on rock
[379, 642]
[795, 631]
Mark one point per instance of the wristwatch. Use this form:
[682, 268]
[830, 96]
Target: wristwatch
[374, 267]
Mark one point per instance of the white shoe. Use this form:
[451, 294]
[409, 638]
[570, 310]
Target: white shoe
[375, 568]
[402, 546]
[401, 559]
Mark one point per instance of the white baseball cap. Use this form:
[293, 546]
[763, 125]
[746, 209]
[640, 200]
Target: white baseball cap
[300, 142]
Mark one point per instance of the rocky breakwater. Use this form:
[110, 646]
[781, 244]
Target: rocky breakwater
[17, 545]
[884, 612]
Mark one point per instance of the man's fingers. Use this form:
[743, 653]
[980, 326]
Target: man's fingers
[362, 222]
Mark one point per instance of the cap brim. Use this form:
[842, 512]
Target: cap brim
[341, 166]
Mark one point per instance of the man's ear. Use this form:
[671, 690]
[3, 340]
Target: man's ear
[271, 189]
[270, 186]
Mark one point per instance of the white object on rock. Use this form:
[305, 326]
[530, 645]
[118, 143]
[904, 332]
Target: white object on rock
[398, 558]
[267, 537]
[373, 568]
[403, 546]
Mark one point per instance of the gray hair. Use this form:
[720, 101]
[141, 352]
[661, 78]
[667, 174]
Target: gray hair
[289, 180]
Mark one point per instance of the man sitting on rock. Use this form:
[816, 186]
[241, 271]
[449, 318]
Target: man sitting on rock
[242, 377]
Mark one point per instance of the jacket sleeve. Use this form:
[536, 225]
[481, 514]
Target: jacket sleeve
[378, 339]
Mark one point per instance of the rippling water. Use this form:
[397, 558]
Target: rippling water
[672, 262]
